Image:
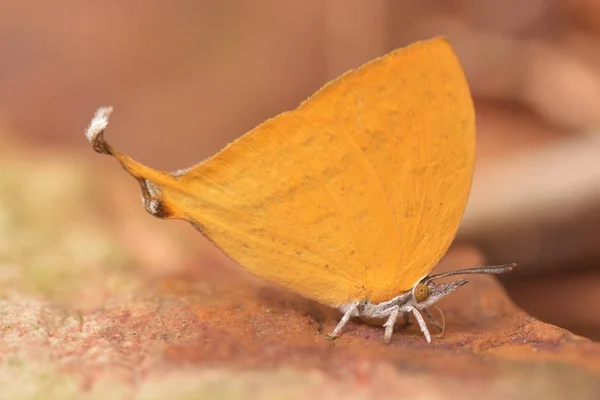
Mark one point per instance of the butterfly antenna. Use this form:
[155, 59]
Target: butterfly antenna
[492, 269]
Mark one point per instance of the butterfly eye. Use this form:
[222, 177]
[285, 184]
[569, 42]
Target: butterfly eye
[421, 292]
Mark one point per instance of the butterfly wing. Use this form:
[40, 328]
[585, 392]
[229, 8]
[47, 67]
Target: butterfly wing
[292, 201]
[352, 195]
[412, 116]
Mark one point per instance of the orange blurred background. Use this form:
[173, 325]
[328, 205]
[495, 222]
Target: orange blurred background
[187, 77]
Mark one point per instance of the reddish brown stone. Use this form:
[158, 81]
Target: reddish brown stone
[159, 323]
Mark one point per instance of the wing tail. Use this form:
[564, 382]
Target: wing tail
[156, 186]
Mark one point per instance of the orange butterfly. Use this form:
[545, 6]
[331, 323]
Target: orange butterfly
[352, 198]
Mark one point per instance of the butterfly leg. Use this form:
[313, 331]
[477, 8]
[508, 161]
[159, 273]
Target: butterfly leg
[422, 324]
[389, 324]
[351, 311]
[406, 317]
[432, 319]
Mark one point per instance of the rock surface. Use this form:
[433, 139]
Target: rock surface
[99, 300]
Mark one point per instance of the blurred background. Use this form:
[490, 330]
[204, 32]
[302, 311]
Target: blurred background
[187, 77]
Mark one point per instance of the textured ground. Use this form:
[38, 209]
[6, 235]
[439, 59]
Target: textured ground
[99, 300]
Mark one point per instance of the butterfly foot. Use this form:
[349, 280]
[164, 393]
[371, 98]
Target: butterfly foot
[350, 311]
[422, 324]
[389, 324]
